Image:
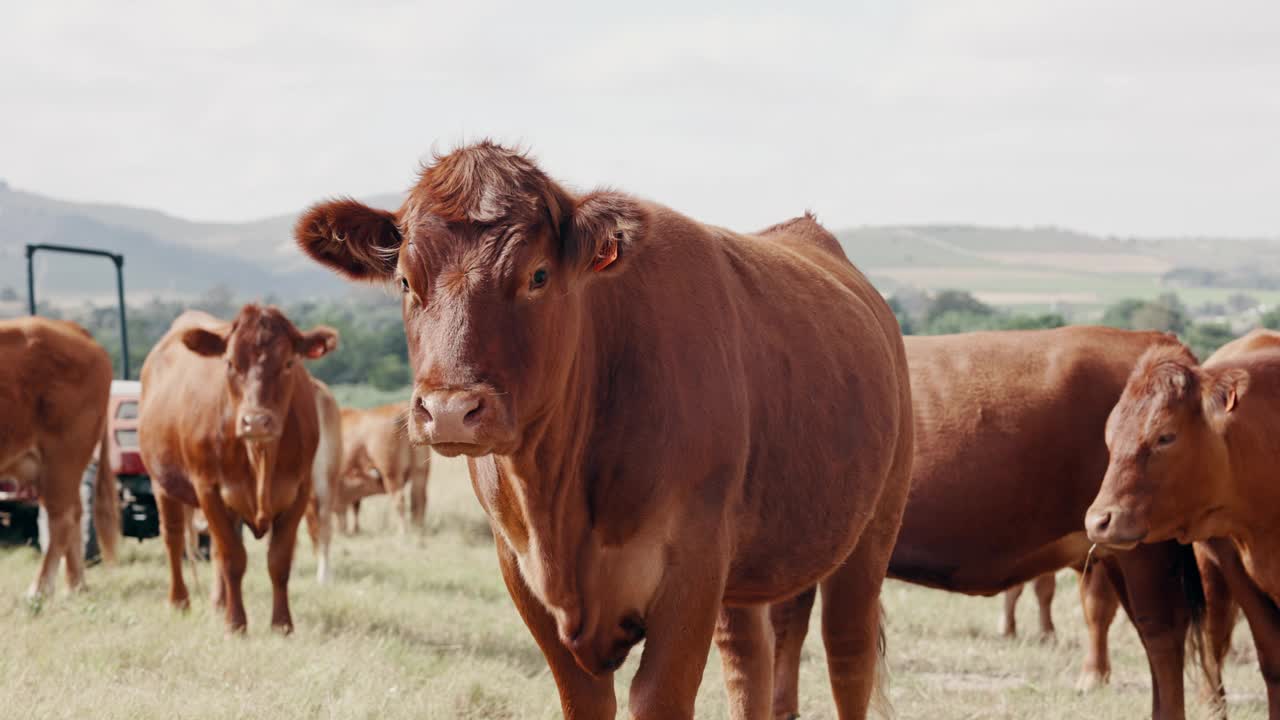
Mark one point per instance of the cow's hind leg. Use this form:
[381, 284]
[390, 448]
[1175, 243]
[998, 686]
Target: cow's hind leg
[790, 620]
[1099, 602]
[64, 534]
[284, 536]
[1009, 618]
[1045, 586]
[173, 528]
[853, 632]
[746, 647]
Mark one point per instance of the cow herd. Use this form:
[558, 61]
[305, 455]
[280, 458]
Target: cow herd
[681, 435]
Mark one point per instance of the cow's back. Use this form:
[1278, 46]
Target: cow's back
[776, 344]
[55, 382]
[183, 421]
[1254, 341]
[1009, 449]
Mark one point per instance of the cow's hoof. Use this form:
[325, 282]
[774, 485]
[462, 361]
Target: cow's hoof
[1090, 680]
[182, 604]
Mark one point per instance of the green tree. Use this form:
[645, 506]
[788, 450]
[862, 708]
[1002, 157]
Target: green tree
[1165, 313]
[955, 301]
[904, 318]
[1206, 338]
[1271, 319]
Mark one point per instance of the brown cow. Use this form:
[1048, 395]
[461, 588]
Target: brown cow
[376, 444]
[1193, 458]
[55, 382]
[1009, 453]
[325, 477]
[228, 422]
[670, 425]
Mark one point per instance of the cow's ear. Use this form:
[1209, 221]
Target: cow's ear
[316, 344]
[204, 342]
[358, 241]
[1223, 391]
[603, 232]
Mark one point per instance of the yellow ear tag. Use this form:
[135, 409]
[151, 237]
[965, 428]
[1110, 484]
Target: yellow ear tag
[607, 255]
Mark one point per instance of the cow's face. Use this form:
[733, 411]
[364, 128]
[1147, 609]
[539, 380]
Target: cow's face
[259, 353]
[489, 257]
[1166, 477]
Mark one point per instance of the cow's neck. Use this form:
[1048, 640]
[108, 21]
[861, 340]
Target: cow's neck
[562, 520]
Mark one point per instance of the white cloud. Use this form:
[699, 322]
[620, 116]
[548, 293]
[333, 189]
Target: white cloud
[1134, 117]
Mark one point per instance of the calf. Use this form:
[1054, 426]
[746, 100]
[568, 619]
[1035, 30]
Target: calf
[55, 382]
[229, 423]
[669, 424]
[1193, 458]
[376, 445]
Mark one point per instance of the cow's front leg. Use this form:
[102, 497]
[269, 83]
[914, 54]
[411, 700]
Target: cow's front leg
[746, 643]
[582, 695]
[679, 627]
[229, 553]
[284, 537]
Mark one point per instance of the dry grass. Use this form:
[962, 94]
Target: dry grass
[424, 629]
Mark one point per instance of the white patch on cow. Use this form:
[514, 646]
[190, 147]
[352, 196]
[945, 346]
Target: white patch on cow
[491, 205]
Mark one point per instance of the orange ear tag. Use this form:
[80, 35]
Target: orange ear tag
[607, 255]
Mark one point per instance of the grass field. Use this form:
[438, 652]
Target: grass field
[424, 629]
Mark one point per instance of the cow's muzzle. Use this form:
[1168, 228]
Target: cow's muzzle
[1114, 526]
[461, 421]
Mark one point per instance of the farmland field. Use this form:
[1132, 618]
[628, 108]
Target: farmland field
[423, 628]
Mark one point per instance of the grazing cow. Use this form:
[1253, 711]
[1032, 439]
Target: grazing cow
[55, 382]
[669, 424]
[229, 423]
[1193, 458]
[376, 445]
[1009, 453]
[325, 477]
[359, 479]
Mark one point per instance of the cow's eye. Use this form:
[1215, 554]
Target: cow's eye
[231, 368]
[1166, 440]
[288, 364]
[404, 285]
[539, 278]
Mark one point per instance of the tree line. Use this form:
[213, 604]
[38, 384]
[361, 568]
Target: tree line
[956, 311]
[372, 349]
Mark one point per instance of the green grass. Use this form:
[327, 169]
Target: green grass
[367, 396]
[424, 629]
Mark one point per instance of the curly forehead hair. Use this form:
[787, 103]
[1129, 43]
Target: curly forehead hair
[485, 183]
[1169, 371]
[260, 326]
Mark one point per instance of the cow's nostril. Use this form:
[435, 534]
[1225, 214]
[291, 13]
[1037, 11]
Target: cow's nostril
[473, 415]
[420, 408]
[1100, 522]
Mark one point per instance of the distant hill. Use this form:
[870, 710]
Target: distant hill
[164, 255]
[1047, 267]
[1011, 267]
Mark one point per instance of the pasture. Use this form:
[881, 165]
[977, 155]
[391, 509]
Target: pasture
[423, 628]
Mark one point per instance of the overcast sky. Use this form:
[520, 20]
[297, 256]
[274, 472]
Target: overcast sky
[1112, 116]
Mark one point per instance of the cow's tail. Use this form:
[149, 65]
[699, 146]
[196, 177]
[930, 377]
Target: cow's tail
[106, 504]
[880, 703]
[1188, 572]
